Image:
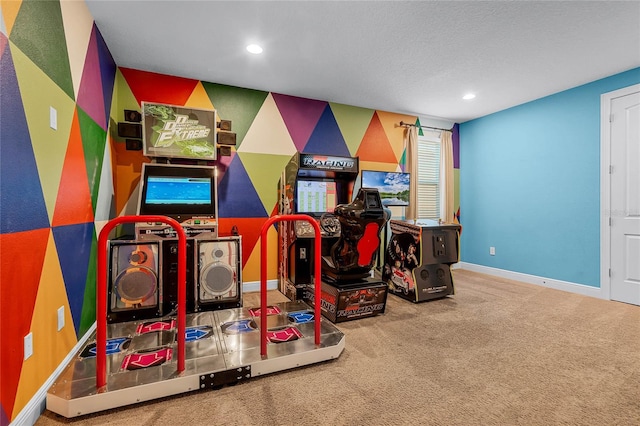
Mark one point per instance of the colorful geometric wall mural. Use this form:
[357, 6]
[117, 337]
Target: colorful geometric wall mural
[270, 129]
[52, 57]
[59, 186]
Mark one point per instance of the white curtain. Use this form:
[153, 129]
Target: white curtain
[411, 144]
[446, 168]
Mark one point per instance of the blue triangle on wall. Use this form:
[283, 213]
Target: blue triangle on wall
[23, 207]
[236, 195]
[107, 72]
[326, 137]
[73, 244]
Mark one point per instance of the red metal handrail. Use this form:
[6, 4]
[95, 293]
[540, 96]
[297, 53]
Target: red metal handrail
[101, 290]
[263, 276]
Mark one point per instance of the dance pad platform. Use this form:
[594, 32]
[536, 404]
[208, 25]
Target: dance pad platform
[221, 347]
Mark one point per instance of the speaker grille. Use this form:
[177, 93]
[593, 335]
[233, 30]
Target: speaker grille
[217, 279]
[219, 273]
[135, 288]
[136, 285]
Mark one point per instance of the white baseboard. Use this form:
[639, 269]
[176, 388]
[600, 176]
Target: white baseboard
[38, 403]
[534, 279]
[255, 286]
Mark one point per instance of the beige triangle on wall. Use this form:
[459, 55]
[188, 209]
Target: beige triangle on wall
[268, 133]
[78, 24]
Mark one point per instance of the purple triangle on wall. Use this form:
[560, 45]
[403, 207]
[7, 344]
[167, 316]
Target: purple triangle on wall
[300, 115]
[91, 84]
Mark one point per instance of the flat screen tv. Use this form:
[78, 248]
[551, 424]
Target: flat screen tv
[178, 191]
[392, 186]
[316, 196]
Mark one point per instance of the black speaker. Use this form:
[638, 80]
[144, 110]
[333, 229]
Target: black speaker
[134, 290]
[226, 138]
[133, 144]
[219, 273]
[130, 130]
[224, 125]
[132, 116]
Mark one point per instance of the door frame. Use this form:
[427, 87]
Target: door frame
[605, 185]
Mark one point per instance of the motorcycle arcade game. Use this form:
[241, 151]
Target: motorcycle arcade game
[170, 318]
[322, 187]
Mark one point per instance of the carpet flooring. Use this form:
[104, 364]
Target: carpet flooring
[498, 352]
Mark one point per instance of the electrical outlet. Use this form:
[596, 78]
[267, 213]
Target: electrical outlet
[28, 345]
[60, 317]
[492, 251]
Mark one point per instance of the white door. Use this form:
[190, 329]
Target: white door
[625, 198]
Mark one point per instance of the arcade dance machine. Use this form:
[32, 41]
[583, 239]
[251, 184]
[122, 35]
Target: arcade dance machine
[169, 312]
[322, 187]
[418, 259]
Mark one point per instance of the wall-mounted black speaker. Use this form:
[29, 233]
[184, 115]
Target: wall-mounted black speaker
[134, 290]
[219, 274]
[130, 130]
[224, 124]
[132, 116]
[226, 138]
[133, 144]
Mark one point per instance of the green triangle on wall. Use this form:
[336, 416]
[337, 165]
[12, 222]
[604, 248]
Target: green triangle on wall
[39, 33]
[93, 143]
[236, 104]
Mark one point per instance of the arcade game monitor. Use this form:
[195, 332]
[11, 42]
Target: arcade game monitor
[181, 192]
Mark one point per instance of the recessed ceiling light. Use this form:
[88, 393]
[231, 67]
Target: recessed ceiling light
[468, 96]
[254, 48]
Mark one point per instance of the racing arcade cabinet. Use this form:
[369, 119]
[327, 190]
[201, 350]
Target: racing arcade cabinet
[310, 184]
[349, 290]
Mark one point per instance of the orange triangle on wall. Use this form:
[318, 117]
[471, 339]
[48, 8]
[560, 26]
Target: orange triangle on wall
[21, 264]
[249, 228]
[73, 202]
[375, 145]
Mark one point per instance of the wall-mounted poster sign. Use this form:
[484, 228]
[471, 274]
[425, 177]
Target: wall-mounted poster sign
[178, 132]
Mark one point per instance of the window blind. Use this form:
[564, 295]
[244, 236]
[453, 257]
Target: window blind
[429, 177]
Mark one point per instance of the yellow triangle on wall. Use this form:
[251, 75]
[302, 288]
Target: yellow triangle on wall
[10, 10]
[199, 99]
[251, 270]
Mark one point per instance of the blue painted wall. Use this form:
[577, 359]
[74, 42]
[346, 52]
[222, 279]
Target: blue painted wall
[530, 185]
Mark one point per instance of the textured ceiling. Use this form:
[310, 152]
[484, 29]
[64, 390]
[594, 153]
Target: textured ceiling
[415, 57]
